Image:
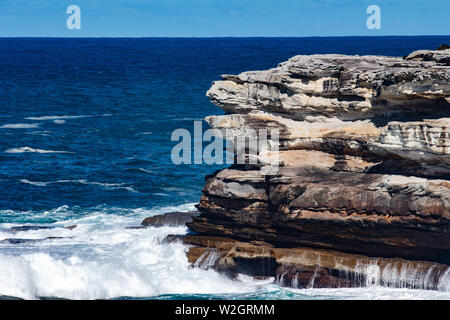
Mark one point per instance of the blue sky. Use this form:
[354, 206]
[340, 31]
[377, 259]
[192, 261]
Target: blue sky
[213, 18]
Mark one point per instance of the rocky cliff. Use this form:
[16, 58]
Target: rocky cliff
[364, 176]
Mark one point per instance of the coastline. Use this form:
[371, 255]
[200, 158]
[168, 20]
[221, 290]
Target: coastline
[364, 171]
[115, 142]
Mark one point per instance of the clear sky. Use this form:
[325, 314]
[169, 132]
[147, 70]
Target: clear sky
[215, 18]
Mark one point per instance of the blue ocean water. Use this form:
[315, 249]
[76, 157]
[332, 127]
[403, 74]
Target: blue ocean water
[85, 127]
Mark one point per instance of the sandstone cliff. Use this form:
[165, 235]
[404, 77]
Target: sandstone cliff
[364, 171]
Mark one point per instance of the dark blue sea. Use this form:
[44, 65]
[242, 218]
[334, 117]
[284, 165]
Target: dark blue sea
[85, 140]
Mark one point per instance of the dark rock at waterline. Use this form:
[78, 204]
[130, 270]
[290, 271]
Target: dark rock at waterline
[443, 47]
[21, 241]
[9, 298]
[170, 219]
[173, 238]
[303, 267]
[32, 228]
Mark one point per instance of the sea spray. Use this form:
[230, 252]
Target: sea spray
[100, 258]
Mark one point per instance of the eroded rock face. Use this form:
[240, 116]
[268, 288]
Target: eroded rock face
[378, 215]
[440, 56]
[364, 162]
[347, 87]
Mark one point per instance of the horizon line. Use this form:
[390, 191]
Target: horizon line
[218, 37]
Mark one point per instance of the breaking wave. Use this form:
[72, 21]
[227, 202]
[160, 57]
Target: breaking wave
[66, 117]
[32, 150]
[43, 118]
[101, 258]
[20, 126]
[109, 186]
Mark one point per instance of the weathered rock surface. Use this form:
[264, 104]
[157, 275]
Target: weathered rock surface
[348, 87]
[378, 215]
[364, 164]
[440, 56]
[424, 146]
[170, 219]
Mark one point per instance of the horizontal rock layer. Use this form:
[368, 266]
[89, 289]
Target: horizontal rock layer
[348, 87]
[363, 153]
[313, 268]
[380, 215]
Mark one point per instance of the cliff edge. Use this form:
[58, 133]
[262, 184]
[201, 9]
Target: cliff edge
[364, 176]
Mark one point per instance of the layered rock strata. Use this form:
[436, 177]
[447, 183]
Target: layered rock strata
[304, 267]
[364, 167]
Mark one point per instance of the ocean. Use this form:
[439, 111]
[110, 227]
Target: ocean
[85, 140]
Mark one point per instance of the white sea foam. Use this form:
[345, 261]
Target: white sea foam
[58, 121]
[102, 259]
[58, 214]
[66, 117]
[110, 186]
[370, 293]
[32, 150]
[43, 118]
[187, 119]
[145, 170]
[44, 133]
[34, 183]
[20, 126]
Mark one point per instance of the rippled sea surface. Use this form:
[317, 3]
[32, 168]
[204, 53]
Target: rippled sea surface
[85, 139]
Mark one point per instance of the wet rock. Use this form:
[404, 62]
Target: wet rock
[170, 219]
[2, 297]
[172, 238]
[307, 267]
[32, 228]
[21, 241]
[443, 47]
